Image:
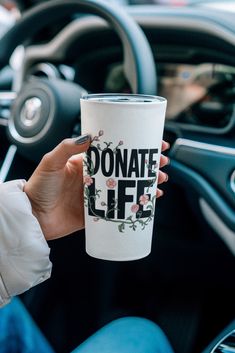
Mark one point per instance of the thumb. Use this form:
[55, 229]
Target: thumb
[58, 157]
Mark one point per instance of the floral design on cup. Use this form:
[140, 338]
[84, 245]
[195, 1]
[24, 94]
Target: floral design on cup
[87, 180]
[97, 137]
[132, 221]
[135, 208]
[111, 183]
[144, 199]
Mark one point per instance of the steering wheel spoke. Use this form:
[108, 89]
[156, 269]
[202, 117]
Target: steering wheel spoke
[7, 162]
[6, 100]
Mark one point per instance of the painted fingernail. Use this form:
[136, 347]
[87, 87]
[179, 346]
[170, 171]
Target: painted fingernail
[166, 177]
[82, 139]
[168, 161]
[168, 145]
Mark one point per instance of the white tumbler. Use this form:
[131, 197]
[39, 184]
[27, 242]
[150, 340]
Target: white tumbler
[120, 173]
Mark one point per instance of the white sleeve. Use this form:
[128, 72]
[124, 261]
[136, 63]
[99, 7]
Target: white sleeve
[24, 253]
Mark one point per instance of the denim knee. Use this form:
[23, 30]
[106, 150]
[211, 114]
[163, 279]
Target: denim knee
[127, 335]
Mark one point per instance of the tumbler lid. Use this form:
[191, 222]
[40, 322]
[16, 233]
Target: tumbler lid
[123, 98]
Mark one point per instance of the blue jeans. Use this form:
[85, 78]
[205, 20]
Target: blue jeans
[19, 334]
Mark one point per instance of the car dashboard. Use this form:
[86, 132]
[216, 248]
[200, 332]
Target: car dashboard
[193, 50]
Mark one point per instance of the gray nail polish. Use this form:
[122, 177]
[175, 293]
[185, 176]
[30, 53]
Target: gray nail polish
[82, 139]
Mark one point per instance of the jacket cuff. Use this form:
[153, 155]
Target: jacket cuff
[24, 253]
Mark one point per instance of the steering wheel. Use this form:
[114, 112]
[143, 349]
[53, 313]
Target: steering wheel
[45, 111]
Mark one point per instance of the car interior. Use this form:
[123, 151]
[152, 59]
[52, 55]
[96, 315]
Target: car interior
[54, 53]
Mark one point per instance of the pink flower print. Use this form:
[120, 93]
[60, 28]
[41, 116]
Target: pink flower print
[101, 132]
[111, 183]
[146, 161]
[144, 199]
[120, 143]
[87, 180]
[135, 208]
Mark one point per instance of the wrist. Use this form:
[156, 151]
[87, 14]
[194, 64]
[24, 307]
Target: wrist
[37, 213]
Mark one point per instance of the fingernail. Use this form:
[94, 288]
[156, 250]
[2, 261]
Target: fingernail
[160, 192]
[168, 161]
[166, 177]
[82, 139]
[168, 145]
